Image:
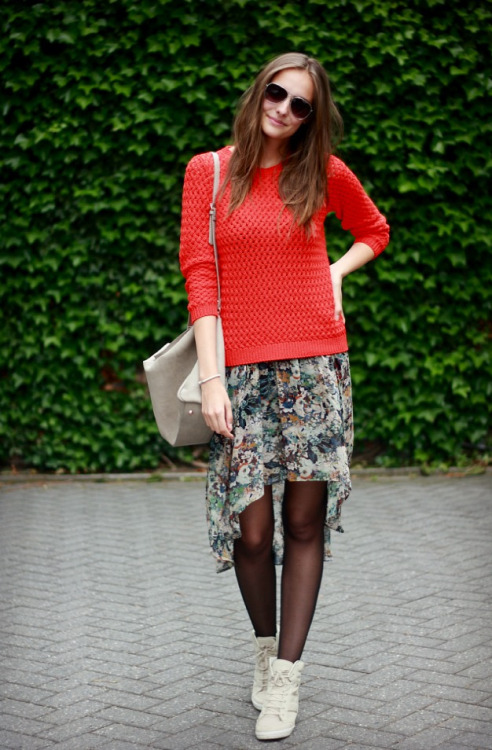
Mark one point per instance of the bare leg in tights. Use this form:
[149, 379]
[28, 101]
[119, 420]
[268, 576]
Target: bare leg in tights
[304, 512]
[254, 566]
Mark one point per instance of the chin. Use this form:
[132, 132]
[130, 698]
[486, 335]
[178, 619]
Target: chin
[276, 133]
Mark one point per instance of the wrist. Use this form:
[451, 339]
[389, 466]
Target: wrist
[209, 379]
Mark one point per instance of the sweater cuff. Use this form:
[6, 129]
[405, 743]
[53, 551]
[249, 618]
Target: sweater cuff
[377, 244]
[201, 310]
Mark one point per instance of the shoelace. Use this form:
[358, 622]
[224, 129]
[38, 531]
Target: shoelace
[264, 664]
[275, 702]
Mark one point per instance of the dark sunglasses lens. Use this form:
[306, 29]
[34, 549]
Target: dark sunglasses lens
[275, 93]
[300, 107]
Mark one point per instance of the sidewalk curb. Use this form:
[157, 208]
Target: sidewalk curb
[402, 472]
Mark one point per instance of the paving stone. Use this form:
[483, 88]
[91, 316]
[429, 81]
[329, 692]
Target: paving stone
[464, 695]
[22, 708]
[324, 743]
[311, 708]
[392, 690]
[193, 737]
[417, 662]
[73, 712]
[469, 725]
[25, 693]
[402, 706]
[17, 741]
[67, 728]
[127, 700]
[127, 733]
[307, 729]
[313, 674]
[124, 684]
[114, 669]
[428, 738]
[454, 708]
[232, 692]
[482, 684]
[480, 670]
[68, 697]
[415, 722]
[86, 742]
[118, 635]
[353, 734]
[21, 676]
[377, 662]
[475, 740]
[324, 688]
[183, 702]
[231, 722]
[340, 715]
[355, 702]
[238, 741]
[116, 714]
[184, 688]
[222, 665]
[22, 724]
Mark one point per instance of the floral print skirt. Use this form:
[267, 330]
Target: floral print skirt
[292, 421]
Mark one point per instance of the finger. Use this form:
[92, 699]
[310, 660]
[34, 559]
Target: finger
[217, 423]
[338, 308]
[224, 428]
[228, 415]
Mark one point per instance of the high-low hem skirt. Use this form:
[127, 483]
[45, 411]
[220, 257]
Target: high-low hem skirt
[292, 421]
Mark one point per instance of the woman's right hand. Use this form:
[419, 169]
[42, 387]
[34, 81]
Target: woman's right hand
[216, 408]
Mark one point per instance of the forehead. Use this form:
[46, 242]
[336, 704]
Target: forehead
[298, 82]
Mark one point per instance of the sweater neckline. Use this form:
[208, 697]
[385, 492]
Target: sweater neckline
[272, 168]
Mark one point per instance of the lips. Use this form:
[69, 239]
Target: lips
[276, 122]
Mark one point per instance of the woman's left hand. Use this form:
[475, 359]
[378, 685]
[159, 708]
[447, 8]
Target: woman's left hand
[336, 282]
[357, 256]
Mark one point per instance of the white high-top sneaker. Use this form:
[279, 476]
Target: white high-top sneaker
[264, 649]
[279, 712]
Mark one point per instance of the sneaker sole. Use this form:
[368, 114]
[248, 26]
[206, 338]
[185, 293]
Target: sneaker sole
[276, 734]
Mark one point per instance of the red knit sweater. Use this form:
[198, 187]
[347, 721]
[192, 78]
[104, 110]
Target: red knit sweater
[277, 296]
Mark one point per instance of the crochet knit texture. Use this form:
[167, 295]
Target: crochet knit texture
[277, 296]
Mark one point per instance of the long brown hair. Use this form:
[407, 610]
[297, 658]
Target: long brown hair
[303, 182]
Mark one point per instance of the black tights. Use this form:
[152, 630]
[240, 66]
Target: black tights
[304, 510]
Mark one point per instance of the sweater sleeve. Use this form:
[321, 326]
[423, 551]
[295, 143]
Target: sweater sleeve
[356, 211]
[196, 254]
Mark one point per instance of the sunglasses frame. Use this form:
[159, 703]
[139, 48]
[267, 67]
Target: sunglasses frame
[291, 100]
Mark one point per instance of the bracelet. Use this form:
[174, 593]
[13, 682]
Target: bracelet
[212, 377]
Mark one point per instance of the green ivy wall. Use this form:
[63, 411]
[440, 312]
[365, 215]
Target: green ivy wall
[104, 103]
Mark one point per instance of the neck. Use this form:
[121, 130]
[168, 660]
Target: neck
[272, 153]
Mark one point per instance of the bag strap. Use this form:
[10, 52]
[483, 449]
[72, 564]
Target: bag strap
[212, 217]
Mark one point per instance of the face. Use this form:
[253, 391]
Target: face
[277, 120]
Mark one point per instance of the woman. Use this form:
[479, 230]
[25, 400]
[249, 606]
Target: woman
[280, 454]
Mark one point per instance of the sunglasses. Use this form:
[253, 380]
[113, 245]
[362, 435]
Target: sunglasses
[299, 107]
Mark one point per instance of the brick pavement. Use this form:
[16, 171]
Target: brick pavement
[117, 634]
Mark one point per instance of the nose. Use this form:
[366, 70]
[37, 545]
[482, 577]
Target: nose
[283, 107]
